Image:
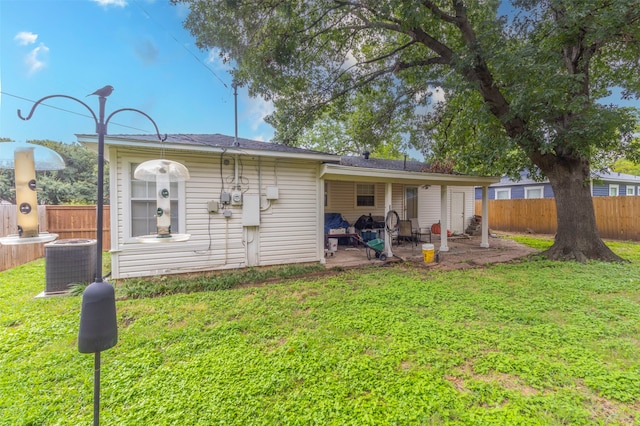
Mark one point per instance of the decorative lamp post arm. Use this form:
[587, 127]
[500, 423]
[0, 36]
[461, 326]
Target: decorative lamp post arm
[106, 123]
[98, 322]
[35, 105]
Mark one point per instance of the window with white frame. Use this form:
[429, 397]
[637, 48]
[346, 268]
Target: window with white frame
[144, 205]
[631, 190]
[365, 195]
[614, 190]
[503, 194]
[534, 192]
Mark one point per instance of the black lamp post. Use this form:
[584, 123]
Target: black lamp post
[98, 323]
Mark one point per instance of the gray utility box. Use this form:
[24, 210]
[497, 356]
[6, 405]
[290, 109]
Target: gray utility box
[69, 261]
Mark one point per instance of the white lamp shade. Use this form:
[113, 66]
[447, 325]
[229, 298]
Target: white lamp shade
[44, 158]
[149, 170]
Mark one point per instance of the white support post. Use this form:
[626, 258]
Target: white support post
[388, 240]
[485, 217]
[444, 217]
[320, 225]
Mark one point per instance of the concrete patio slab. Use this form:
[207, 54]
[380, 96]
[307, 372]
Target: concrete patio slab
[464, 252]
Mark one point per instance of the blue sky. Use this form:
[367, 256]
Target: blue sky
[140, 47]
[73, 47]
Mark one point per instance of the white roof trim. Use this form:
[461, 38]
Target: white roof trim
[364, 174]
[89, 140]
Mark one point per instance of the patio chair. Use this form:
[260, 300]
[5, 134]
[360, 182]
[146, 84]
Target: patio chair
[404, 231]
[418, 232]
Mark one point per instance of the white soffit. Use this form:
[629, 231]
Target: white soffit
[363, 174]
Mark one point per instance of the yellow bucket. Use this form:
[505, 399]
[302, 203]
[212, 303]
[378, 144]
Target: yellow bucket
[428, 251]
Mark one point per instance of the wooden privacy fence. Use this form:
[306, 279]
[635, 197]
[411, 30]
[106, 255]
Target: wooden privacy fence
[66, 221]
[618, 218]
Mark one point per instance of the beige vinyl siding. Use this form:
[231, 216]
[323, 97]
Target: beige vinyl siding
[429, 204]
[287, 231]
[397, 200]
[342, 199]
[469, 205]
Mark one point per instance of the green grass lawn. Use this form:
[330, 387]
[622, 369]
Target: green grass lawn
[534, 343]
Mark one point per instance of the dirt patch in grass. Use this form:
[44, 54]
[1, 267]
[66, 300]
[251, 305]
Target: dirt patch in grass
[467, 253]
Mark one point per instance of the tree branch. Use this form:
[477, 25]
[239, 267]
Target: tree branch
[439, 12]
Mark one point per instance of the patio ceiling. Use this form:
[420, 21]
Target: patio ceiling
[364, 174]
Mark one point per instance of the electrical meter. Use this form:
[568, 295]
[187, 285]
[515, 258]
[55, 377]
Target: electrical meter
[236, 198]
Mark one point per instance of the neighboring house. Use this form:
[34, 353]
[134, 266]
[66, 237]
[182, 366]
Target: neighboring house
[285, 193]
[602, 184]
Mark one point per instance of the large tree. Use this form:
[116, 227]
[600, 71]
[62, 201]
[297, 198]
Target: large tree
[522, 90]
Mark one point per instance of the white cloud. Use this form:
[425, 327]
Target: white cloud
[437, 95]
[349, 61]
[35, 59]
[25, 37]
[214, 59]
[257, 109]
[106, 3]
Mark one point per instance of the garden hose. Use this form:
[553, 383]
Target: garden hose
[392, 226]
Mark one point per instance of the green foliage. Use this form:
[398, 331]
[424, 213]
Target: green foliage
[522, 92]
[75, 184]
[351, 75]
[539, 243]
[625, 166]
[538, 342]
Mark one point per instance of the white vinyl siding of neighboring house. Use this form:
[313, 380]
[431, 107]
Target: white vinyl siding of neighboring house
[288, 226]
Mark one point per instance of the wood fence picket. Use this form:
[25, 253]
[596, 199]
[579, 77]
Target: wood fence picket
[69, 222]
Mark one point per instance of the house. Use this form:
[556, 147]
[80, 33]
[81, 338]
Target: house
[249, 203]
[602, 184]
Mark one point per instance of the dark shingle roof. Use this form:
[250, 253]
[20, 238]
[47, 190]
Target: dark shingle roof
[219, 141]
[379, 163]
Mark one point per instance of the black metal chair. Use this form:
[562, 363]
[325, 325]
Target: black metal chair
[418, 232]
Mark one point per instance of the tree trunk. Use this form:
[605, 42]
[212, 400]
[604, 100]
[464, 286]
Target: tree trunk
[577, 236]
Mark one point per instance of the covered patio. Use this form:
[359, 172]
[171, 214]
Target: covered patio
[464, 252]
[392, 178]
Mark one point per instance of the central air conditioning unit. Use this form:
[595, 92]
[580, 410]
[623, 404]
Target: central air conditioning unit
[68, 262]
